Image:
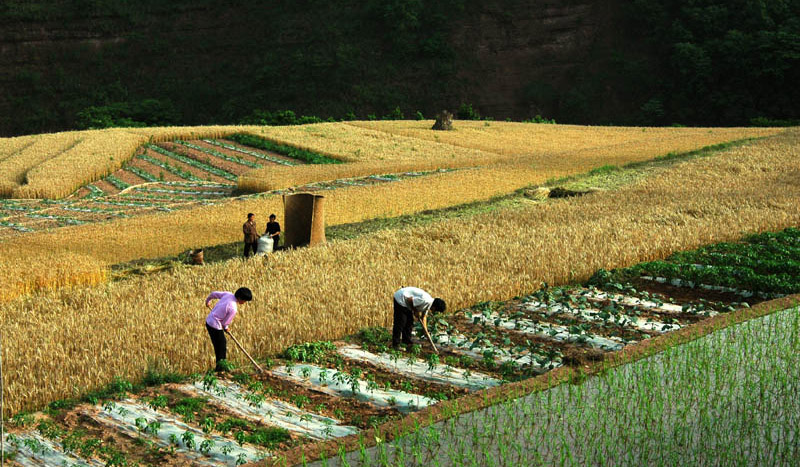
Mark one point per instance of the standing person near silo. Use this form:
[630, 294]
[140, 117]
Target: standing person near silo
[410, 303]
[273, 231]
[250, 235]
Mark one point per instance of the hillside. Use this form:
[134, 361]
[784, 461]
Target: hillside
[92, 63]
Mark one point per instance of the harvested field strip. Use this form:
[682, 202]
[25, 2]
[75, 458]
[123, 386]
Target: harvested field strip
[528, 138]
[175, 169]
[13, 169]
[244, 150]
[98, 154]
[12, 146]
[193, 162]
[215, 153]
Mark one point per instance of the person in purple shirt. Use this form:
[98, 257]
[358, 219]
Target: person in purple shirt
[220, 318]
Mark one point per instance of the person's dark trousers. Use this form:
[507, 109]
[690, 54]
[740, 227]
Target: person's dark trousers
[220, 344]
[275, 241]
[250, 249]
[403, 323]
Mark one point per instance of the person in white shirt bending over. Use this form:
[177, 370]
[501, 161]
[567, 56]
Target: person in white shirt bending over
[410, 303]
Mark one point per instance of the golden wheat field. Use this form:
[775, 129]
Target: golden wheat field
[398, 146]
[48, 254]
[61, 342]
[514, 138]
[55, 165]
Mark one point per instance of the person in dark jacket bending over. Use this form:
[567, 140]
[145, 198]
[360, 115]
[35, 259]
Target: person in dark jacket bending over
[250, 235]
[220, 318]
[410, 303]
[273, 231]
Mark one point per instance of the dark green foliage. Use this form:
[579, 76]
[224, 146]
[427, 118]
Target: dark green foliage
[466, 112]
[694, 62]
[539, 119]
[318, 58]
[280, 117]
[720, 62]
[232, 423]
[187, 407]
[148, 112]
[296, 153]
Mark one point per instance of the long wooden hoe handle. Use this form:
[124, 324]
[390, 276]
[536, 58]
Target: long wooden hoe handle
[260, 370]
[428, 334]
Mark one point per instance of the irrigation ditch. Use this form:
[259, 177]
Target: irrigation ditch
[323, 399]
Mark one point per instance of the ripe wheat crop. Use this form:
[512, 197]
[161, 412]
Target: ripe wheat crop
[12, 146]
[83, 336]
[171, 233]
[16, 164]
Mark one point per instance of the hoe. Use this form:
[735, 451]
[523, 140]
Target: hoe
[260, 370]
[428, 334]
